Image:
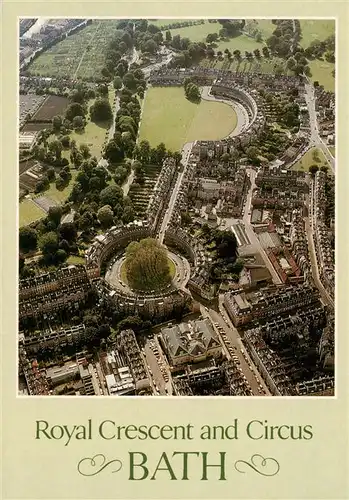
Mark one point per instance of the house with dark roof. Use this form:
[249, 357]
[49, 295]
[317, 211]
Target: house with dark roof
[190, 343]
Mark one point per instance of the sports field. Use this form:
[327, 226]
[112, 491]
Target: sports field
[29, 212]
[170, 118]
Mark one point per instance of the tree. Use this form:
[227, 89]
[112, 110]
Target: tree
[117, 83]
[291, 63]
[56, 123]
[51, 174]
[61, 255]
[168, 36]
[113, 152]
[101, 111]
[105, 216]
[74, 109]
[212, 37]
[313, 169]
[56, 148]
[266, 52]
[252, 152]
[48, 244]
[78, 123]
[150, 46]
[111, 195]
[28, 239]
[85, 151]
[55, 214]
[315, 155]
[86, 221]
[67, 231]
[102, 90]
[147, 266]
[65, 141]
[128, 215]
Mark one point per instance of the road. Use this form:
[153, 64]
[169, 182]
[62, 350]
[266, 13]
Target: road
[155, 66]
[241, 113]
[250, 232]
[186, 150]
[248, 368]
[315, 139]
[310, 223]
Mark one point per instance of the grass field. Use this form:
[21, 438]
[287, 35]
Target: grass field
[80, 55]
[332, 150]
[29, 212]
[307, 160]
[321, 71]
[198, 33]
[75, 259]
[170, 118]
[317, 29]
[93, 136]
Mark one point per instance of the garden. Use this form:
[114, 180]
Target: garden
[81, 55]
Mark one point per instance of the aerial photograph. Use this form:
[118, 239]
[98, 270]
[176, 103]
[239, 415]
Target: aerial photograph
[176, 207]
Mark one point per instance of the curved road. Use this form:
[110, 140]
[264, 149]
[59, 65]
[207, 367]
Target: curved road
[241, 113]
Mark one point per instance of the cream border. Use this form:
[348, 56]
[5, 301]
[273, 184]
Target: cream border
[302, 411]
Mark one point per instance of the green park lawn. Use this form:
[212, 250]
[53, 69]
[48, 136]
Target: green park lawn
[170, 118]
[332, 150]
[316, 29]
[29, 212]
[321, 71]
[93, 136]
[307, 160]
[75, 259]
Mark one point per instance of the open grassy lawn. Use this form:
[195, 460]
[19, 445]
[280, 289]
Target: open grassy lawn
[332, 150]
[170, 118]
[93, 136]
[172, 267]
[307, 160]
[266, 27]
[316, 29]
[29, 212]
[75, 259]
[321, 71]
[241, 42]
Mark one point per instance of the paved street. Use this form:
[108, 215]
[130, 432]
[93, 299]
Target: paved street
[172, 203]
[241, 113]
[310, 224]
[247, 365]
[315, 139]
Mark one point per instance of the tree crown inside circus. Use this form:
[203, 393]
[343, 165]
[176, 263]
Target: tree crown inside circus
[147, 265]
